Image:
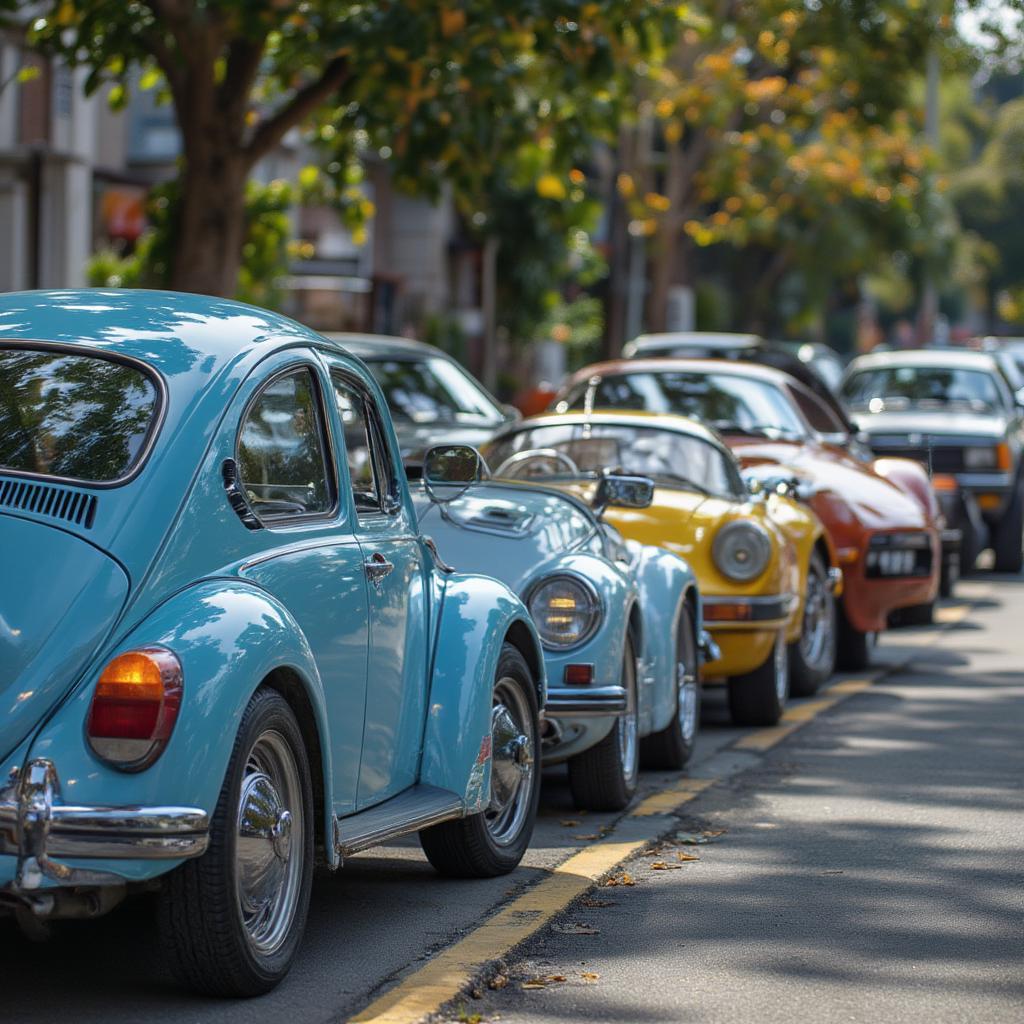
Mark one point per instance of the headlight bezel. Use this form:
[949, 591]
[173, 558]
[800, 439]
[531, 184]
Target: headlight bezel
[594, 610]
[980, 457]
[763, 544]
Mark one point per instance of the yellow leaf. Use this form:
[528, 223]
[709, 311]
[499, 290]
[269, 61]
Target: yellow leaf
[66, 15]
[624, 183]
[150, 78]
[550, 186]
[453, 21]
[309, 176]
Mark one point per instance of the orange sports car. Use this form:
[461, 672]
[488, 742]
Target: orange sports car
[881, 514]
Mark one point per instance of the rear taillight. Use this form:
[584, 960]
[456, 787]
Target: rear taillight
[135, 707]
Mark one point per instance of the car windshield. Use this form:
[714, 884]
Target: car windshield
[75, 416]
[900, 387]
[573, 451]
[725, 401]
[433, 390]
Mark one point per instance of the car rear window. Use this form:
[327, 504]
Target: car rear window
[80, 417]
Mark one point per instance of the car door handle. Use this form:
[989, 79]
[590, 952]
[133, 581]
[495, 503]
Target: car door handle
[377, 568]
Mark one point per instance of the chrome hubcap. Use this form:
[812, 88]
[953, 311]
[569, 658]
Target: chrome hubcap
[814, 636]
[269, 842]
[626, 726]
[687, 702]
[513, 764]
[781, 669]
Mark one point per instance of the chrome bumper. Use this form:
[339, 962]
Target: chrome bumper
[36, 827]
[709, 650]
[585, 701]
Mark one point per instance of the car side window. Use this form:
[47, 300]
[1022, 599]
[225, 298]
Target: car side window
[369, 467]
[281, 450]
[818, 415]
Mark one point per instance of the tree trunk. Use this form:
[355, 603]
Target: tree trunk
[211, 223]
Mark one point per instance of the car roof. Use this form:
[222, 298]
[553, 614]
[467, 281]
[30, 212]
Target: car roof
[716, 339]
[952, 358]
[366, 346]
[170, 331]
[737, 368]
[621, 417]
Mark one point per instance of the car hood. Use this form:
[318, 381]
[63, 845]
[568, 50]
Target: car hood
[950, 423]
[415, 438]
[59, 598]
[874, 501]
[505, 531]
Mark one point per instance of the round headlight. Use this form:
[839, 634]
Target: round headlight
[565, 610]
[980, 458]
[741, 551]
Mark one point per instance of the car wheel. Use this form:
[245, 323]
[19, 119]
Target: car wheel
[493, 841]
[759, 697]
[812, 658]
[672, 747]
[604, 777]
[853, 647]
[231, 920]
[1008, 540]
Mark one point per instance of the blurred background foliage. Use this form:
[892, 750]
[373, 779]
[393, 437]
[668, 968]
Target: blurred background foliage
[770, 154]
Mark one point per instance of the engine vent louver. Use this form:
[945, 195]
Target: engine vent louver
[72, 506]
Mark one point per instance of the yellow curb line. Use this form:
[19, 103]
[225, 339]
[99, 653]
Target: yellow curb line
[668, 800]
[451, 971]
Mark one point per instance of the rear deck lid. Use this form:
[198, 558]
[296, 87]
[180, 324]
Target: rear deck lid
[59, 598]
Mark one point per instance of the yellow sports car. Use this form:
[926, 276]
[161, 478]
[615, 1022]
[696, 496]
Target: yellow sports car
[763, 561]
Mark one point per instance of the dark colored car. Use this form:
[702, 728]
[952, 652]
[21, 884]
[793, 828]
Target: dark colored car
[811, 364]
[955, 412]
[433, 400]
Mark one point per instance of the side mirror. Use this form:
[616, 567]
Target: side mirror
[455, 466]
[754, 486]
[511, 413]
[616, 491]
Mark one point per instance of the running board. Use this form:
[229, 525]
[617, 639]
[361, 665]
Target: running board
[418, 807]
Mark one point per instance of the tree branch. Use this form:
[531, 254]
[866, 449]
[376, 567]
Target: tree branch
[270, 132]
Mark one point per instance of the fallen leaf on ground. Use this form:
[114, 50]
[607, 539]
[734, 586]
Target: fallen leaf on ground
[498, 981]
[686, 856]
[691, 838]
[592, 836]
[589, 976]
[624, 879]
[574, 928]
[660, 865]
[569, 823]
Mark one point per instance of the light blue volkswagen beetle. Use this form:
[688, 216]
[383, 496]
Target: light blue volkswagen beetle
[620, 623]
[226, 650]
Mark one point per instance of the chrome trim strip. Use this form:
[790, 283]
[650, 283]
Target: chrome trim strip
[585, 701]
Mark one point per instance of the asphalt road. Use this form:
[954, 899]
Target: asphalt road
[871, 868]
[871, 865]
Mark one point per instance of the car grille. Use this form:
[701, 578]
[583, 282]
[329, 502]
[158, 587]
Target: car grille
[938, 458]
[898, 555]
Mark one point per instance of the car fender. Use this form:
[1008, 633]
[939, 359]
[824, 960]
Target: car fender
[664, 583]
[476, 617]
[229, 636]
[911, 478]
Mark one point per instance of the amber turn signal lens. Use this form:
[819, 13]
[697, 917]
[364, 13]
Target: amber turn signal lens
[1003, 460]
[989, 502]
[942, 482]
[135, 707]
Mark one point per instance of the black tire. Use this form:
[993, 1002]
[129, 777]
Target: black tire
[759, 697]
[853, 647]
[604, 777]
[914, 615]
[671, 747]
[950, 573]
[469, 847]
[810, 666]
[205, 940]
[1008, 538]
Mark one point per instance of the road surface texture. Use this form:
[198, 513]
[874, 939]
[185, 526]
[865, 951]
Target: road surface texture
[870, 867]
